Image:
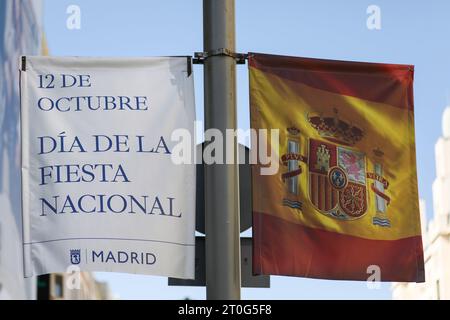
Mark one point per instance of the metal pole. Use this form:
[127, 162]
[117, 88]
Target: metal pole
[223, 276]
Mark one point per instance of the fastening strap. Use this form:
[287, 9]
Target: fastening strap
[200, 57]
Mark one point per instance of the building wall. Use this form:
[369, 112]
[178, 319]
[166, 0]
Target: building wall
[89, 288]
[436, 233]
[20, 34]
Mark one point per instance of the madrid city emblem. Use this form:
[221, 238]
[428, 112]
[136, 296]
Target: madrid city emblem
[75, 256]
[338, 179]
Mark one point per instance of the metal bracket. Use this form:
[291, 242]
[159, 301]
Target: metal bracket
[200, 57]
[24, 63]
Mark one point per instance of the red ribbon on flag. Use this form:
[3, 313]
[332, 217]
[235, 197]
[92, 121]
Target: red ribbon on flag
[380, 193]
[291, 174]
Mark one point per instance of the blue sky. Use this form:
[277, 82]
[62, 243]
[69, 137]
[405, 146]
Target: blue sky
[413, 32]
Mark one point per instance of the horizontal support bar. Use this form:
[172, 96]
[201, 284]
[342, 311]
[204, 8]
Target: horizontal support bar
[200, 57]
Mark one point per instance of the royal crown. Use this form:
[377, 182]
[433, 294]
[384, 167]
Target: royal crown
[293, 130]
[336, 130]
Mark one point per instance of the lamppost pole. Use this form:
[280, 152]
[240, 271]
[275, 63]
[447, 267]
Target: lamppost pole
[223, 278]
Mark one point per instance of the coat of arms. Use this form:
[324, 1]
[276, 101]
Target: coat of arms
[337, 180]
[75, 256]
[337, 173]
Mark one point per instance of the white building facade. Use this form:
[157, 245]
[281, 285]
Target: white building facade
[436, 233]
[20, 34]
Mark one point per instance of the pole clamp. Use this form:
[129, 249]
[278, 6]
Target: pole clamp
[200, 57]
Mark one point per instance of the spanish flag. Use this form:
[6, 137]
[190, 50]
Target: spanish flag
[344, 203]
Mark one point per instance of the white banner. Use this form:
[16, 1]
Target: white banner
[100, 189]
